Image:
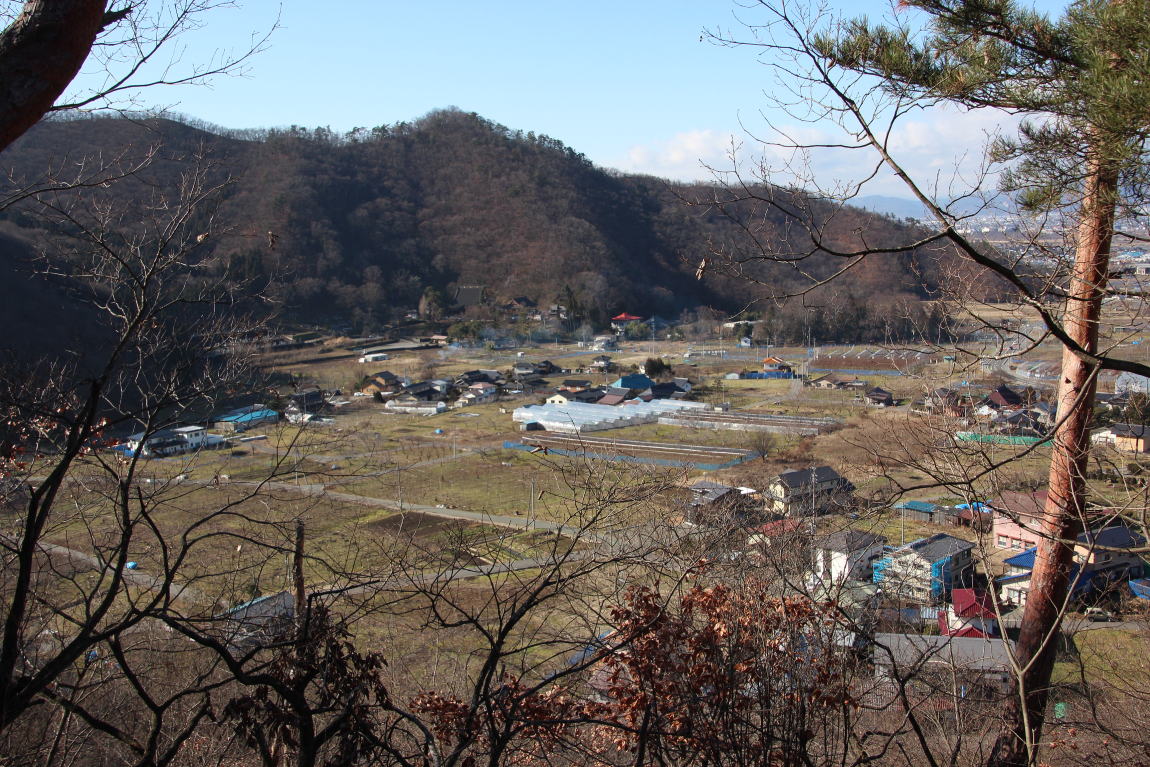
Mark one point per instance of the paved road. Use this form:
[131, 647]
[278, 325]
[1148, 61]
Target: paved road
[1075, 624]
[184, 592]
[481, 517]
[139, 578]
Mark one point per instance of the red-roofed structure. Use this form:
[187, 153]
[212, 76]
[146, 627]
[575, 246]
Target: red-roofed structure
[770, 534]
[624, 317]
[969, 603]
[971, 614]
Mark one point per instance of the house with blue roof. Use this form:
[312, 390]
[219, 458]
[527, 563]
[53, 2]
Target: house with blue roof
[1099, 564]
[635, 382]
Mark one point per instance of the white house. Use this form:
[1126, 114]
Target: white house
[847, 555]
[926, 570]
[970, 614]
[477, 394]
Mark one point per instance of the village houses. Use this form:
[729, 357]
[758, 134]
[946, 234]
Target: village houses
[845, 555]
[927, 570]
[808, 492]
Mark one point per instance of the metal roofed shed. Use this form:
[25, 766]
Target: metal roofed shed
[246, 418]
[973, 659]
[261, 621]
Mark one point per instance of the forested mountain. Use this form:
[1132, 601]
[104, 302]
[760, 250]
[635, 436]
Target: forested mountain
[357, 227]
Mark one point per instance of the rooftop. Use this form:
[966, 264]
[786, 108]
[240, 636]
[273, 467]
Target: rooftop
[847, 541]
[924, 506]
[1024, 505]
[973, 653]
[936, 547]
[969, 603]
[815, 475]
[1025, 559]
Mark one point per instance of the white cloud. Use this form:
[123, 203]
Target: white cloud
[686, 156]
[942, 148]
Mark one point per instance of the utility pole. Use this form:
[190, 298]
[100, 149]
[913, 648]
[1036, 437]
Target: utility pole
[298, 584]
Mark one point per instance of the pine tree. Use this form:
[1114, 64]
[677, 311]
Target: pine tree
[1082, 85]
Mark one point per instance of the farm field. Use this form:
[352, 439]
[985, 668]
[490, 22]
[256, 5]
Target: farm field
[658, 453]
[754, 421]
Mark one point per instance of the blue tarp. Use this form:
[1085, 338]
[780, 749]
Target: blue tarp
[769, 374]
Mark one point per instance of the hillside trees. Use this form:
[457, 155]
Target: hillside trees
[161, 343]
[1080, 81]
[63, 602]
[520, 218]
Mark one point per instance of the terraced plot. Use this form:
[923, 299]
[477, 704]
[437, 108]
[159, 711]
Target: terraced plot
[705, 457]
[775, 423]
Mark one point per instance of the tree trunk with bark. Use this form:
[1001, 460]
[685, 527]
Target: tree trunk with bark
[1064, 516]
[40, 53]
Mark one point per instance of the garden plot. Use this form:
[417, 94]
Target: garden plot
[705, 457]
[775, 423]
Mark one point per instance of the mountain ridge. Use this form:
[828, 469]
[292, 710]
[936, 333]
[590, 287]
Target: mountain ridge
[361, 226]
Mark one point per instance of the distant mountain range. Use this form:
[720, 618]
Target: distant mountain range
[359, 228]
[899, 207]
[906, 207]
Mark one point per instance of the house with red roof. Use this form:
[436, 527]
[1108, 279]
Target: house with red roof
[970, 614]
[776, 364]
[620, 321]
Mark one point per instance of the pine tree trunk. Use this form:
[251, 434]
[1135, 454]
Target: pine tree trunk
[1063, 517]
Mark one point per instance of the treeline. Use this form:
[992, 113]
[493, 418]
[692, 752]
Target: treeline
[849, 320]
[357, 227]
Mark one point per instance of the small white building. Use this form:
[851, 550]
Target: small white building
[847, 555]
[415, 407]
[183, 439]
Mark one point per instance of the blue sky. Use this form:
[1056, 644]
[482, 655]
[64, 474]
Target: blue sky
[629, 83]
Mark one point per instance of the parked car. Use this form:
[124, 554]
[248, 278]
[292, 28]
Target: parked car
[1098, 614]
